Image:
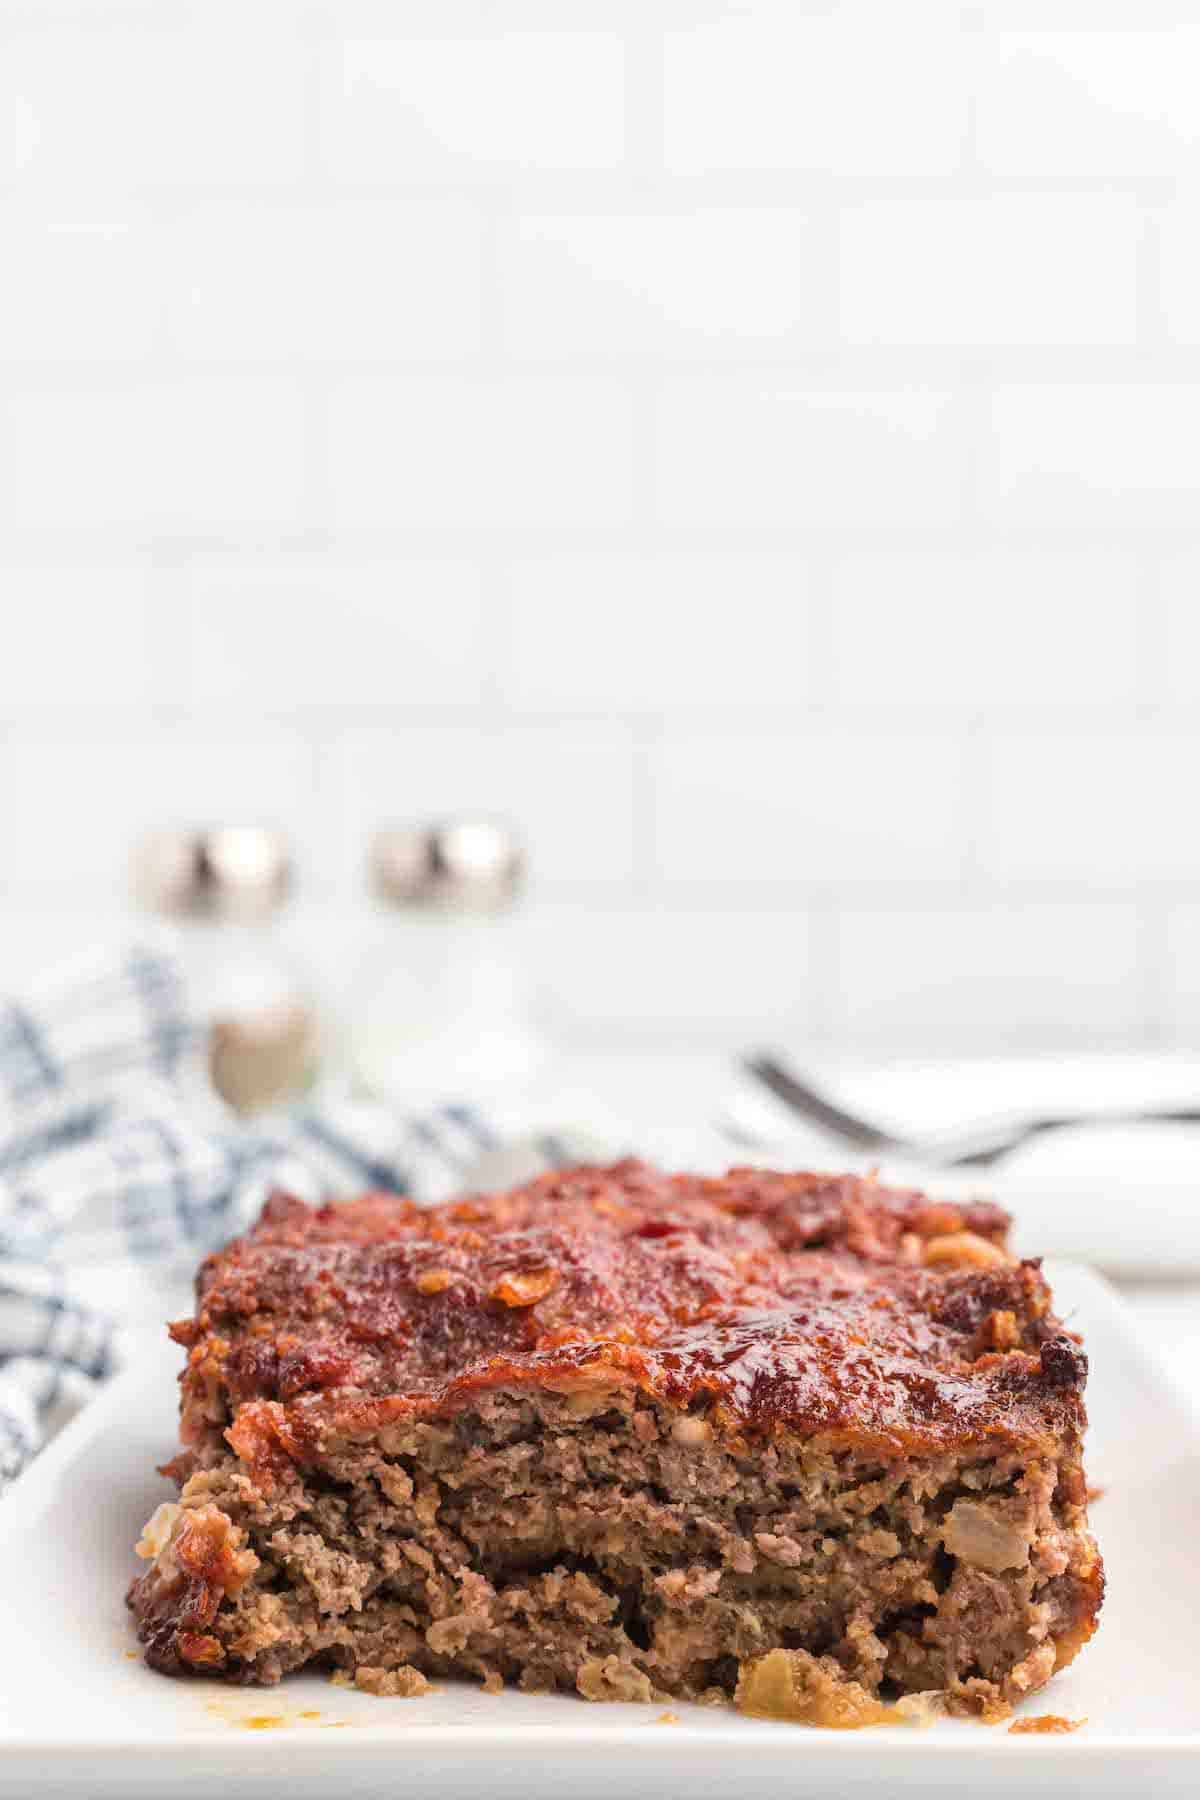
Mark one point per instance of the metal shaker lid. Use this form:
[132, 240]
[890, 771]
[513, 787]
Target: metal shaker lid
[469, 864]
[229, 872]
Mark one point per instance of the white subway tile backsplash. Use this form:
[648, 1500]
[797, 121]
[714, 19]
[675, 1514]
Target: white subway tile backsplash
[1180, 584]
[1179, 266]
[673, 974]
[1182, 969]
[760, 452]
[151, 455]
[120, 100]
[413, 108]
[996, 269]
[76, 799]
[650, 632]
[495, 452]
[1103, 805]
[78, 635]
[1092, 454]
[323, 631]
[994, 978]
[757, 447]
[702, 281]
[272, 282]
[858, 89]
[568, 790]
[816, 806]
[78, 289]
[1085, 102]
[993, 628]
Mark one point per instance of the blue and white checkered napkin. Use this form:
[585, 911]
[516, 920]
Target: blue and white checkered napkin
[119, 1168]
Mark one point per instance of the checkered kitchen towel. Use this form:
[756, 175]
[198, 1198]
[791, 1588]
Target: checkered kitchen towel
[119, 1168]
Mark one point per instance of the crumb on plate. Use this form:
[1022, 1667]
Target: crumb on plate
[1044, 1723]
[402, 1683]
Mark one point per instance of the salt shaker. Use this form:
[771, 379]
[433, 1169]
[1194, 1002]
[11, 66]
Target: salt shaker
[441, 1010]
[225, 890]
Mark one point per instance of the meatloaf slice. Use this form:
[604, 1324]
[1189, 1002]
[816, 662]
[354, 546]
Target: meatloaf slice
[632, 1434]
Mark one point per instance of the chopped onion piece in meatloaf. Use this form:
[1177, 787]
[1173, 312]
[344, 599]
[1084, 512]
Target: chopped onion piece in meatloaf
[796, 1438]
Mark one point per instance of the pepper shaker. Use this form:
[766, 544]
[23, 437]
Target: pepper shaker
[225, 889]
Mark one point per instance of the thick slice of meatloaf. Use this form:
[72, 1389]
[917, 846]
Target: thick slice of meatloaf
[631, 1434]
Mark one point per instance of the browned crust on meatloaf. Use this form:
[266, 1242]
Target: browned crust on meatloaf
[622, 1431]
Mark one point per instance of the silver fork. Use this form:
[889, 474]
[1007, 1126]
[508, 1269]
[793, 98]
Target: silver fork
[979, 1144]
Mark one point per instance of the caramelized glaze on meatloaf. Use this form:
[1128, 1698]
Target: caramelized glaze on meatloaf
[633, 1434]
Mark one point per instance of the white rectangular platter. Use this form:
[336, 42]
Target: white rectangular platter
[81, 1715]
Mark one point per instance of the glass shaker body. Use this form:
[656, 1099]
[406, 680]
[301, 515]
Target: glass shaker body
[252, 995]
[223, 890]
[442, 1010]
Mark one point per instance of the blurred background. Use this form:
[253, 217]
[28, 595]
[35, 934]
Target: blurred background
[754, 448]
